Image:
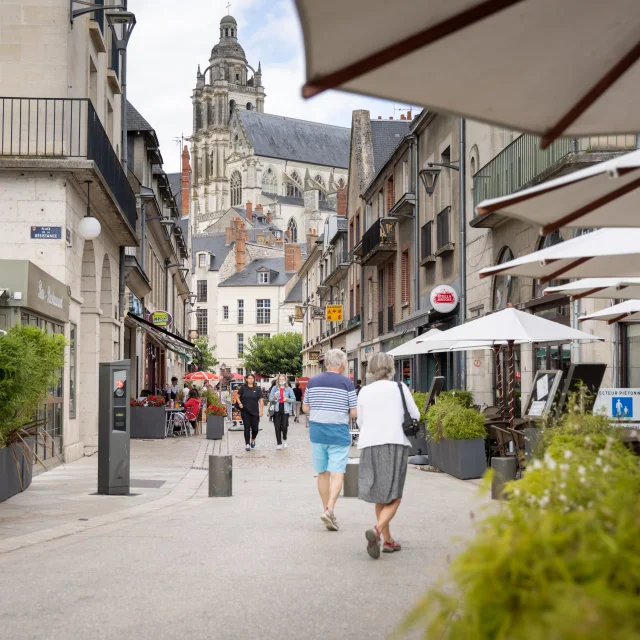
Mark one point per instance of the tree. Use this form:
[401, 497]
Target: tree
[206, 361]
[282, 353]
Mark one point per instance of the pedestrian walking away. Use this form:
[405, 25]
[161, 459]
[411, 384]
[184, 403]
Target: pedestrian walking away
[358, 386]
[251, 407]
[384, 449]
[283, 399]
[330, 401]
[297, 392]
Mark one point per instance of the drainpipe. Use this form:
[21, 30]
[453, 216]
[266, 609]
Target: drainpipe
[416, 253]
[122, 290]
[462, 215]
[143, 231]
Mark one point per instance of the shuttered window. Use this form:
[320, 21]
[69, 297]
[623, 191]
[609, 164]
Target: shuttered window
[357, 298]
[405, 278]
[391, 194]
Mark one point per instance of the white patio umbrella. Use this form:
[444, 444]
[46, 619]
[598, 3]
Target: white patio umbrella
[409, 347]
[620, 288]
[512, 326]
[606, 252]
[627, 311]
[543, 66]
[603, 195]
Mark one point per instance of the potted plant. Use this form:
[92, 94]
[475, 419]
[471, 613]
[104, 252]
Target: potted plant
[456, 438]
[148, 418]
[216, 414]
[30, 364]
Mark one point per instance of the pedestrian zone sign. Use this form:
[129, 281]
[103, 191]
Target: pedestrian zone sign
[333, 313]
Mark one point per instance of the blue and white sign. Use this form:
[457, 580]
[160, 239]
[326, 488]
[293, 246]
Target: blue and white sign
[622, 408]
[618, 404]
[46, 233]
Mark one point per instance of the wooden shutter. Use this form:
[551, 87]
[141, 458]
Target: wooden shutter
[405, 277]
[391, 194]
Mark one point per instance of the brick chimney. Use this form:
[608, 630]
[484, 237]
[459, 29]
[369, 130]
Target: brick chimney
[249, 213]
[409, 115]
[402, 117]
[292, 257]
[269, 216]
[241, 247]
[312, 236]
[260, 238]
[259, 210]
[185, 179]
[341, 206]
[280, 243]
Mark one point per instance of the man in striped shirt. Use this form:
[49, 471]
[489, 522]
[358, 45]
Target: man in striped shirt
[330, 400]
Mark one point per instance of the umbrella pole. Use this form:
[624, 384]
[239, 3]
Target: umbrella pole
[512, 375]
[435, 357]
[496, 350]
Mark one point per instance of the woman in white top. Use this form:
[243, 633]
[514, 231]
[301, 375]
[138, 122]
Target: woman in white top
[384, 449]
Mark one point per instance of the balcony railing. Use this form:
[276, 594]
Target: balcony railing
[379, 241]
[380, 322]
[339, 264]
[64, 128]
[352, 322]
[443, 231]
[522, 161]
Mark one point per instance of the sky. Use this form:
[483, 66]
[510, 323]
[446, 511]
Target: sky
[167, 45]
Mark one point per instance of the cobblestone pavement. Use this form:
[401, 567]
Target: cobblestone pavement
[169, 561]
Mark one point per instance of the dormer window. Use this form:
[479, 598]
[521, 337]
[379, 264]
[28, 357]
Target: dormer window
[202, 260]
[263, 277]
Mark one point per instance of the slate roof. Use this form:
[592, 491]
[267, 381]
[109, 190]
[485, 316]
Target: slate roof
[295, 295]
[183, 223]
[175, 183]
[386, 135]
[135, 121]
[249, 278]
[290, 139]
[216, 244]
[324, 205]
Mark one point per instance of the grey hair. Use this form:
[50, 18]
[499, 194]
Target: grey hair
[381, 366]
[335, 358]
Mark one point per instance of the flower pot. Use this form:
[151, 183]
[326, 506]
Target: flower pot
[148, 422]
[16, 469]
[215, 427]
[464, 459]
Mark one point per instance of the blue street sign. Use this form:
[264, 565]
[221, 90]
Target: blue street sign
[622, 407]
[46, 233]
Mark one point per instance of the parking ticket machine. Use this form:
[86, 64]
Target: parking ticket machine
[113, 428]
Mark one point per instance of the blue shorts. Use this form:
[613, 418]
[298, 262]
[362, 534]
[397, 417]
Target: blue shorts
[329, 457]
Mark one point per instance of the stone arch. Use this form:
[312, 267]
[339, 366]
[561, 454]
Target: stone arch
[106, 292]
[236, 189]
[249, 106]
[292, 230]
[269, 180]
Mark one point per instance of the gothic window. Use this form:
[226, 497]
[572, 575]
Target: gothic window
[269, 183]
[210, 114]
[292, 190]
[198, 109]
[319, 180]
[292, 227]
[236, 189]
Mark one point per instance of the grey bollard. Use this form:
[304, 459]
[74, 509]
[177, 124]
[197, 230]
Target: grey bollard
[351, 478]
[220, 476]
[504, 471]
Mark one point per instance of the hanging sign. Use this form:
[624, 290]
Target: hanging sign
[317, 313]
[161, 318]
[443, 298]
[299, 317]
[333, 313]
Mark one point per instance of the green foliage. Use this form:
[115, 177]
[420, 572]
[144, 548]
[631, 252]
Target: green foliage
[281, 353]
[561, 559]
[420, 399]
[30, 364]
[212, 397]
[464, 398]
[206, 361]
[449, 418]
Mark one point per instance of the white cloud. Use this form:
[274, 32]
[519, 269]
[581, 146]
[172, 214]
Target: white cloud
[168, 44]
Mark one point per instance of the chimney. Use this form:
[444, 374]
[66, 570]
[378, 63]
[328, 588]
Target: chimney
[280, 242]
[269, 216]
[390, 117]
[409, 115]
[260, 238]
[241, 248]
[379, 117]
[259, 209]
[249, 213]
[341, 207]
[312, 236]
[292, 257]
[402, 116]
[184, 180]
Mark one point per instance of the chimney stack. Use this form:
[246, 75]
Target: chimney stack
[379, 117]
[249, 213]
[292, 257]
[280, 242]
[409, 115]
[341, 207]
[259, 209]
[241, 247]
[390, 117]
[402, 117]
[312, 236]
[269, 216]
[185, 179]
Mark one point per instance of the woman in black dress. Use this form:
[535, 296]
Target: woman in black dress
[251, 407]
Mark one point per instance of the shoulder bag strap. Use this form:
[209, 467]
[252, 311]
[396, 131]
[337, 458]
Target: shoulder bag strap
[407, 416]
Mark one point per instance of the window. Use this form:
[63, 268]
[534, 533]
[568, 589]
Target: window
[292, 228]
[241, 344]
[405, 177]
[357, 228]
[240, 371]
[391, 194]
[443, 227]
[263, 277]
[269, 184]
[240, 311]
[381, 204]
[351, 304]
[73, 357]
[404, 284]
[202, 320]
[236, 189]
[263, 335]
[293, 191]
[380, 289]
[249, 106]
[368, 215]
[358, 298]
[202, 260]
[225, 313]
[202, 290]
[427, 234]
[319, 180]
[370, 299]
[264, 311]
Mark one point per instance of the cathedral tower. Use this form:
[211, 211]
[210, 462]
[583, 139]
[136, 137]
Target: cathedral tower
[228, 83]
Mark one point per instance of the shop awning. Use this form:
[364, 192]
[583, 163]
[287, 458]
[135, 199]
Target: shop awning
[170, 340]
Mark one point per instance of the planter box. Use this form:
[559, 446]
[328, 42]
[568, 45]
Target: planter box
[464, 459]
[147, 422]
[15, 476]
[215, 427]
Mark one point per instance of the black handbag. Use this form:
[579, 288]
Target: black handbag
[410, 425]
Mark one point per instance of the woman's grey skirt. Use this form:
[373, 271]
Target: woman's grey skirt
[382, 472]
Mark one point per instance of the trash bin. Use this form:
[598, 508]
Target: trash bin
[351, 478]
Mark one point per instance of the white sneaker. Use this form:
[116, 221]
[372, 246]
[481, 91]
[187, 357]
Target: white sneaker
[247, 448]
[278, 447]
[284, 444]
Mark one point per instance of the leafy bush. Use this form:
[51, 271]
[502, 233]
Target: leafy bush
[420, 398]
[30, 364]
[464, 398]
[561, 560]
[448, 418]
[212, 397]
[149, 401]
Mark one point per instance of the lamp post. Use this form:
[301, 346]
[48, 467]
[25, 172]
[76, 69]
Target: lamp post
[89, 228]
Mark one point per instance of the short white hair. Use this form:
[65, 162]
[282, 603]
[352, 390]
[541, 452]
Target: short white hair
[335, 358]
[381, 366]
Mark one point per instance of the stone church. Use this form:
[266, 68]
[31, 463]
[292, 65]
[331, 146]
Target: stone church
[275, 172]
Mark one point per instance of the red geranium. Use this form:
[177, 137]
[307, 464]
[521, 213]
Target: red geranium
[156, 401]
[136, 403]
[216, 410]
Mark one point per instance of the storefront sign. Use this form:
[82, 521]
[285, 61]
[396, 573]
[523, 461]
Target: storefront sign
[334, 313]
[299, 317]
[136, 306]
[46, 233]
[161, 318]
[313, 356]
[443, 298]
[317, 313]
[620, 404]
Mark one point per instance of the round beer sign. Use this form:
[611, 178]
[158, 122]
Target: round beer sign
[444, 298]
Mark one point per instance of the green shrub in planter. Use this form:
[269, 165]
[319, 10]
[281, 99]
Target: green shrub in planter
[463, 398]
[420, 398]
[561, 559]
[448, 418]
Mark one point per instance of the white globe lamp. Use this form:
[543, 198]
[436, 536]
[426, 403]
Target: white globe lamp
[89, 228]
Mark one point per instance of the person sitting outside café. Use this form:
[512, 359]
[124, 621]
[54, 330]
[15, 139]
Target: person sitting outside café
[191, 410]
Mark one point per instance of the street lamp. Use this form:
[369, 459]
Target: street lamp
[429, 179]
[89, 227]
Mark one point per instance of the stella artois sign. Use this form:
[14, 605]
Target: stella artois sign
[444, 298]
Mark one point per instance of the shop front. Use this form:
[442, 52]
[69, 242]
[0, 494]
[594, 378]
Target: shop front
[30, 296]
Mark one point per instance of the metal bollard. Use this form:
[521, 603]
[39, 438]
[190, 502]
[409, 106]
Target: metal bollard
[220, 476]
[351, 478]
[504, 471]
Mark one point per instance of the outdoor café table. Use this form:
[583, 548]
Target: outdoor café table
[168, 418]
